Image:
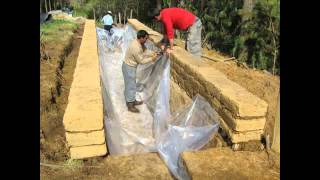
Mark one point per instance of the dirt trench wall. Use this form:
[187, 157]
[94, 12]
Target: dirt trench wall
[244, 114]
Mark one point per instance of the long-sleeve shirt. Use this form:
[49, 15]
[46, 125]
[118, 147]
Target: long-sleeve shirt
[135, 55]
[107, 20]
[176, 18]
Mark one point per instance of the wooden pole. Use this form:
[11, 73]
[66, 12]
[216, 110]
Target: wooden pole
[45, 4]
[49, 5]
[119, 18]
[276, 130]
[124, 16]
[94, 14]
[131, 14]
[115, 19]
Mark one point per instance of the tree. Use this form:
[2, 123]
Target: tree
[45, 4]
[247, 9]
[55, 5]
[248, 30]
[159, 4]
[49, 5]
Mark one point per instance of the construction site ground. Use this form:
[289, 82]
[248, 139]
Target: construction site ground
[54, 158]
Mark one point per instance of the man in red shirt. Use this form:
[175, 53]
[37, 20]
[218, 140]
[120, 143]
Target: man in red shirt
[178, 18]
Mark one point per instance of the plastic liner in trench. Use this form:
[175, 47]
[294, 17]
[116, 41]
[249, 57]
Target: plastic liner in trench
[154, 129]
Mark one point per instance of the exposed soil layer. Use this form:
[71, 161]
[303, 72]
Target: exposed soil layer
[55, 79]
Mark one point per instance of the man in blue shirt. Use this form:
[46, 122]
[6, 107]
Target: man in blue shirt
[107, 21]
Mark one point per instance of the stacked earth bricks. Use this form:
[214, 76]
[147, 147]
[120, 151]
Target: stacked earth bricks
[243, 114]
[83, 118]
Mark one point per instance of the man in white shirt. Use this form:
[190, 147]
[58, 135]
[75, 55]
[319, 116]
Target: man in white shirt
[136, 54]
[107, 21]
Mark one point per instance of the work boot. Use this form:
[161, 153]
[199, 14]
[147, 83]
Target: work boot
[136, 103]
[131, 107]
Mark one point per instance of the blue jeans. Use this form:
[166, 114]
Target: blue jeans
[130, 87]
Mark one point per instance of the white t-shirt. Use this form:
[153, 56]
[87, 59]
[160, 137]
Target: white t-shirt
[107, 20]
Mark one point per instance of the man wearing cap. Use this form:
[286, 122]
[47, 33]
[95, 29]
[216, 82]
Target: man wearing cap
[136, 54]
[107, 21]
[178, 18]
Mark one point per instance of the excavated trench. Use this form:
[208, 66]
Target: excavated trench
[91, 123]
[157, 128]
[178, 99]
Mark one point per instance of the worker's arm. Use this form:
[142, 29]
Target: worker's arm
[144, 58]
[169, 30]
[164, 42]
[171, 44]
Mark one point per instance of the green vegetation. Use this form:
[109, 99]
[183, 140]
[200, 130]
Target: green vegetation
[73, 164]
[99, 23]
[140, 8]
[57, 29]
[252, 35]
[83, 9]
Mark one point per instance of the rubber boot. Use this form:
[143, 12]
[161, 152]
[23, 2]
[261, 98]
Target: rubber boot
[131, 107]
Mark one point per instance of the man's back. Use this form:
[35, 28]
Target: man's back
[107, 19]
[180, 18]
[176, 18]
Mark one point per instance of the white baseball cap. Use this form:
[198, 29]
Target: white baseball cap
[109, 12]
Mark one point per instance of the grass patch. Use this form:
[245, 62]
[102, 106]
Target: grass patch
[80, 12]
[57, 30]
[99, 24]
[73, 164]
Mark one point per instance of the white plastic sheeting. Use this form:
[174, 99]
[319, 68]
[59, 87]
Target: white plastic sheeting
[154, 129]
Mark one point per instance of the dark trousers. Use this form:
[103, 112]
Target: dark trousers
[107, 27]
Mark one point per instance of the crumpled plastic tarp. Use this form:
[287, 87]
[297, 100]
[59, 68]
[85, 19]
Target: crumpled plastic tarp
[154, 129]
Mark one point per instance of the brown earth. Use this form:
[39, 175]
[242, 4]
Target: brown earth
[55, 79]
[260, 83]
[225, 164]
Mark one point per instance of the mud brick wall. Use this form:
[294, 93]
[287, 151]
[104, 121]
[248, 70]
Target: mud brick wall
[243, 114]
[83, 118]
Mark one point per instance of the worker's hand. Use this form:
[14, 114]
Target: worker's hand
[159, 53]
[169, 50]
[154, 56]
[162, 47]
